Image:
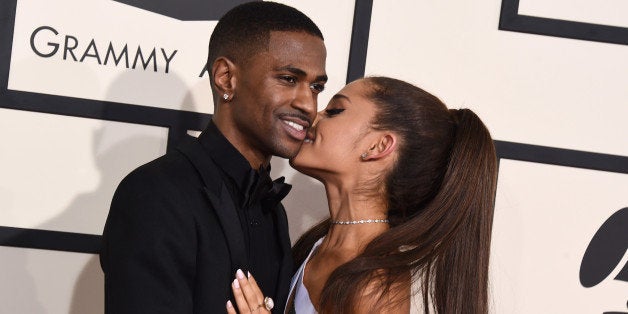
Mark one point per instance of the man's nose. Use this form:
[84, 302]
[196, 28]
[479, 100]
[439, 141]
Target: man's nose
[306, 101]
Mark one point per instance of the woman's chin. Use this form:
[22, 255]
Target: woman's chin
[296, 165]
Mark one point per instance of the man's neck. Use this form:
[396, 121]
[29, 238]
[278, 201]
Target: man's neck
[255, 158]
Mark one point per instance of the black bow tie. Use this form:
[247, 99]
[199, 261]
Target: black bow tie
[261, 188]
[278, 190]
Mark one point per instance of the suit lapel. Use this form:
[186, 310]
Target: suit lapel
[286, 270]
[226, 212]
[220, 199]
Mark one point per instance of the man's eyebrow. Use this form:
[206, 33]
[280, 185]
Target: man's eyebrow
[299, 72]
[321, 78]
[293, 70]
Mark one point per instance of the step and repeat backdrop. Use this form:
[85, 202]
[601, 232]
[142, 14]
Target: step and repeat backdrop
[89, 90]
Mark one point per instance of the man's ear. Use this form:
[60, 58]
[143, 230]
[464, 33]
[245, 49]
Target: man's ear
[222, 72]
[385, 146]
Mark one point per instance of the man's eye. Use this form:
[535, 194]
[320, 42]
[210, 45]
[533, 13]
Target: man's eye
[333, 112]
[289, 79]
[317, 87]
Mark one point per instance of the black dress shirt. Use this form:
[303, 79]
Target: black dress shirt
[248, 189]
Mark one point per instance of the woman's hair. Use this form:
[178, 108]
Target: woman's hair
[440, 197]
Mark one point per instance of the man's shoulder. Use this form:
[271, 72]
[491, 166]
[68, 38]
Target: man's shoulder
[168, 188]
[168, 171]
[166, 166]
[174, 170]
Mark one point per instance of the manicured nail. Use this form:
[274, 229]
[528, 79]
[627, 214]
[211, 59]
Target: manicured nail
[248, 274]
[229, 305]
[240, 274]
[236, 284]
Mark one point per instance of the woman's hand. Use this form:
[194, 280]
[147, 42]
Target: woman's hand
[248, 296]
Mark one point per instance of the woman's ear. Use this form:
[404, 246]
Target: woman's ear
[222, 72]
[385, 146]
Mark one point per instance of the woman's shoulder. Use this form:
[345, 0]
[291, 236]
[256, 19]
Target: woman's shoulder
[381, 299]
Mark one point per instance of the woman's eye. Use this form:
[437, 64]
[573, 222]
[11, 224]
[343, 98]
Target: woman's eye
[333, 112]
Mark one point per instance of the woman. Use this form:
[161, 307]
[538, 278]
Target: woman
[411, 188]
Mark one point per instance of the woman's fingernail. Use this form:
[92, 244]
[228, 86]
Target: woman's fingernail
[236, 284]
[229, 305]
[248, 274]
[240, 274]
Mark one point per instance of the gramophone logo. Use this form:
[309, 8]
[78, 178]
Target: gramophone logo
[605, 252]
[186, 10]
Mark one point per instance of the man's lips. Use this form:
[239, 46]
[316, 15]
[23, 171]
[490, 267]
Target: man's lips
[295, 126]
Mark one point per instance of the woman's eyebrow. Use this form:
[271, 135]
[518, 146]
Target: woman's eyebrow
[341, 96]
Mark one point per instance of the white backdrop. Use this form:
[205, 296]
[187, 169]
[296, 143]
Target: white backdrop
[58, 172]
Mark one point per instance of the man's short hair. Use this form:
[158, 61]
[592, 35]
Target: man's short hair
[245, 30]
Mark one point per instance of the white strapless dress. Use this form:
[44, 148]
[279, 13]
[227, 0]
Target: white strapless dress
[303, 304]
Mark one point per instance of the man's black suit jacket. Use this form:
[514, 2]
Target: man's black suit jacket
[173, 241]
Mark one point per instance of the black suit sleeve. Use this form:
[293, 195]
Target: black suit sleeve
[148, 253]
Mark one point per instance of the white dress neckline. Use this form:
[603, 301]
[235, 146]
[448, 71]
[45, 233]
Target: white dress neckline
[302, 302]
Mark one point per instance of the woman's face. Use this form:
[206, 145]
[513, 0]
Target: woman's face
[340, 134]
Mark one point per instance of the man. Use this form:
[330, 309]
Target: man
[180, 226]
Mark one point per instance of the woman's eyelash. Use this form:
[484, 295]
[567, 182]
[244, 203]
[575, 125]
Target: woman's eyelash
[333, 112]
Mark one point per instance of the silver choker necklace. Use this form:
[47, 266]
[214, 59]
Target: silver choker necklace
[361, 221]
